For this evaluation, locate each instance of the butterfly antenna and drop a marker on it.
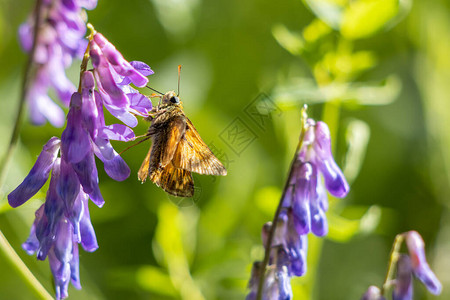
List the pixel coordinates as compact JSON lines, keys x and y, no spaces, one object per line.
{"x":129,"y":147}
{"x":154,"y":90}
{"x":179,"y":73}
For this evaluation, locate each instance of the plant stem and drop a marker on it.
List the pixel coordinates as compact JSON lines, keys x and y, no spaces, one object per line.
{"x":25,"y":82}
{"x":21,"y":268}
{"x":268,"y":246}
{"x":392,"y":261}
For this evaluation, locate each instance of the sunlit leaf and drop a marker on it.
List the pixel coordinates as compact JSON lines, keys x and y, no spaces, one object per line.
{"x":342,"y":229}
{"x":364,"y":17}
{"x":329,"y":11}
{"x":155,"y":280}
{"x":357,"y":137}
{"x":288,"y":40}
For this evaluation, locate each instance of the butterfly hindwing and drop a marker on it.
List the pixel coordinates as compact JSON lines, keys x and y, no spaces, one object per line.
{"x":177,"y":182}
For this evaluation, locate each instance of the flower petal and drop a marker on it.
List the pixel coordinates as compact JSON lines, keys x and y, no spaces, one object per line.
{"x":75,"y":142}
{"x":88,"y":176}
{"x":38,"y":175}
{"x":334,"y":179}
{"x":88,"y":238}
{"x":120,"y":65}
{"x":117,"y":132}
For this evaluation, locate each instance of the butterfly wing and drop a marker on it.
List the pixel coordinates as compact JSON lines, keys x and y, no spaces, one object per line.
{"x":143,"y":170}
{"x":177,"y":182}
{"x":192,"y":154}
{"x":165,"y":136}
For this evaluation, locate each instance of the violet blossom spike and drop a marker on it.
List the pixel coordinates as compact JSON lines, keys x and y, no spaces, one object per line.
{"x":421,"y":269}
{"x":63,"y":242}
{"x":373,"y":293}
{"x":140,"y":103}
{"x":90,"y":111}
{"x":403,"y":283}
{"x":38,"y":175}
{"x":334,"y":179}
{"x":60,"y":39}
{"x":297,"y":246}
{"x":75,"y":143}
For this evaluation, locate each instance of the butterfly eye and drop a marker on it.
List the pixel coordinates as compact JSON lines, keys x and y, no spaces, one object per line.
{"x":174,"y":100}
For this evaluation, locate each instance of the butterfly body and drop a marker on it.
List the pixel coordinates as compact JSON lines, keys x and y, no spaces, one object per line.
{"x":177,"y":150}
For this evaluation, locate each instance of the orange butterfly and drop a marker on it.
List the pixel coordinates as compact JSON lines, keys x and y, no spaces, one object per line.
{"x":177,"y":150}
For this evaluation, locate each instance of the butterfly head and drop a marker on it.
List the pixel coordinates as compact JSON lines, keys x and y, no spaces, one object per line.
{"x":170,"y":99}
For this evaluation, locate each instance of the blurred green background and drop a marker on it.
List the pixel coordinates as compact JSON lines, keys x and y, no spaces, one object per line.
{"x":377,"y":71}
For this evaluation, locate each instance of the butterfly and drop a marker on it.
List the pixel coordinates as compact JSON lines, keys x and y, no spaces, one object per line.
{"x":177,"y":150}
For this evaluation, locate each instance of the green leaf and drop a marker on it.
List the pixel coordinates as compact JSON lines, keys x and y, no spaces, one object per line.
{"x":290,"y":41}
{"x":365,"y":17}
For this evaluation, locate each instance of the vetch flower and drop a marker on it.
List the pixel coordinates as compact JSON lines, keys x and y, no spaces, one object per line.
{"x":60,"y":39}
{"x":301,"y":211}
{"x":420,"y":267}
{"x":63,"y":221}
{"x":407,"y":267}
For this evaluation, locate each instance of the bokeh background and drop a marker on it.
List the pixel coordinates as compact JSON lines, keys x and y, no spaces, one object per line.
{"x":377,"y":71}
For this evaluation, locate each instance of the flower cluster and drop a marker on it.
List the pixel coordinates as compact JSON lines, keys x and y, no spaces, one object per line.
{"x":63,"y":221}
{"x":303,"y":207}
{"x":59,"y":39}
{"x":408,"y":266}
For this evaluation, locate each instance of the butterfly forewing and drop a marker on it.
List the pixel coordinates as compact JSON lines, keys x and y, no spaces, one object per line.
{"x":194,"y":155}
{"x":177,"y":182}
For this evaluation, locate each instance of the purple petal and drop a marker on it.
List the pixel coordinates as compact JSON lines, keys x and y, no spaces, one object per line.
{"x":120,"y":65}
{"x":31,"y":245}
{"x":88,"y":4}
{"x":68,"y":185}
{"x":91,"y":116}
{"x":297,"y":246}
{"x":142,"y":67}
{"x":63,"y":243}
{"x":54,"y":212}
{"x":117,"y":132}
{"x":403,"y":283}
{"x":75,"y":267}
{"x":105,"y":80}
{"x":88,"y":176}
{"x":140,"y":103}
{"x":122,"y":114}
{"x":334,"y":179}
{"x":26,"y":36}
{"x":373,"y":293}
{"x":422,"y":271}
{"x":38,"y":175}
{"x":88,"y":238}
{"x":303,"y":191}
{"x":75,"y":142}
{"x":61,"y":274}
{"x":104,"y":148}
{"x":116,"y":168}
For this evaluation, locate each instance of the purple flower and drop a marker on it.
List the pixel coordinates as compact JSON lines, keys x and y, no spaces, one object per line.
{"x":60,"y":39}
{"x":303,"y":208}
{"x":313,"y":173}
{"x":63,"y":221}
{"x":420,"y":267}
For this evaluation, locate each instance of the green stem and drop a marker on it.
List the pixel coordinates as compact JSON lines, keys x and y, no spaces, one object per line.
{"x":392,"y":262}
{"x":25,"y":82}
{"x":21,"y":268}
